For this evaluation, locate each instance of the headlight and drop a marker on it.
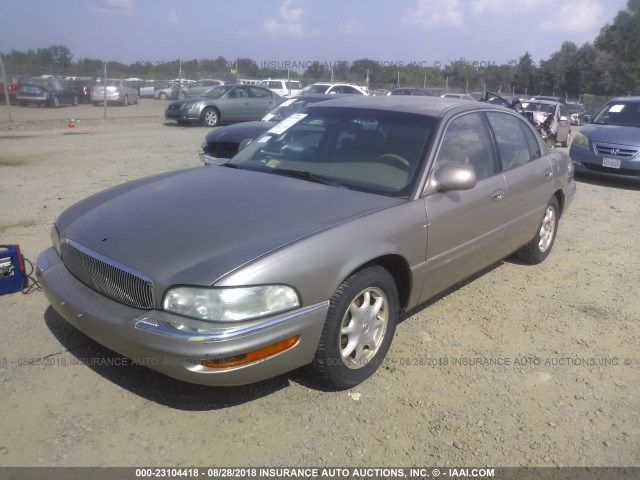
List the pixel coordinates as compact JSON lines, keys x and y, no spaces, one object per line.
{"x":580,"y":141}
{"x":55,"y":239}
{"x":190,"y":106}
{"x":230,"y":304}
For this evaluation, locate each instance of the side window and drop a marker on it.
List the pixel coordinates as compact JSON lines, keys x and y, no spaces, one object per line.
{"x":259,"y":92}
{"x":513,"y":147}
{"x":466,"y":142}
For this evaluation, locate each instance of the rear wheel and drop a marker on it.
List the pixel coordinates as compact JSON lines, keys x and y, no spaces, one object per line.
{"x":125,"y":102}
{"x":360,"y":324}
{"x":55,"y":102}
{"x":210,"y":117}
{"x":162,"y":96}
{"x":540,"y":246}
{"x":567,"y":140}
{"x":75,"y":101}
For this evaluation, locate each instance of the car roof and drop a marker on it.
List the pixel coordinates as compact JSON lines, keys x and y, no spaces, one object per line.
{"x":631,"y":98}
{"x":428,"y":106}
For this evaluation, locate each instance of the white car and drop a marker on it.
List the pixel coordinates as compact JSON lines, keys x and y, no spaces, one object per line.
{"x":283,"y":87}
{"x":327,"y":87}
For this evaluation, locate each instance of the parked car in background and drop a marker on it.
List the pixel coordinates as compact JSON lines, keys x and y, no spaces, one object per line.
{"x":118,"y":91}
{"x":146,"y":90}
{"x":307,"y":247}
{"x":283,"y":87}
{"x":13,"y":83}
{"x":423,"y":92}
{"x":224,"y":103}
{"x":165,"y":90}
{"x":577,"y":113}
{"x":552,"y":114}
{"x":609,"y":145}
{"x":459,"y":96}
{"x":82,"y":86}
{"x":224,"y":142}
{"x":199,"y":87}
{"x":50,"y":92}
{"x":325,"y":87}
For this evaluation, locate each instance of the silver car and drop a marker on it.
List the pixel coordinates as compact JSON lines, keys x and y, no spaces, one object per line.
{"x":118,"y":91}
{"x":307,"y":246}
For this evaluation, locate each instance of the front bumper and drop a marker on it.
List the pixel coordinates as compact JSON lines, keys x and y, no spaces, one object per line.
{"x":151,"y":337}
{"x":585,"y":161}
{"x":182,"y":115}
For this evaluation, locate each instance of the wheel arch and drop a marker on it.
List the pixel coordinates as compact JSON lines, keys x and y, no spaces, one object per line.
{"x":399,"y":270}
{"x":559,"y":194}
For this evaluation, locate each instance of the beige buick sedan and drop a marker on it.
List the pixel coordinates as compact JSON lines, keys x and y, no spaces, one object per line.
{"x":306,"y":247}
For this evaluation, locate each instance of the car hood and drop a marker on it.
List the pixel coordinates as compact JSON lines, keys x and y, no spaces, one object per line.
{"x":614,"y":134}
{"x":238,"y":131}
{"x":194,"y":226}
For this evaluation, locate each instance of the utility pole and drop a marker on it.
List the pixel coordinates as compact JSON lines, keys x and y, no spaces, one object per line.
{"x":104,"y":90}
{"x":6,"y":89}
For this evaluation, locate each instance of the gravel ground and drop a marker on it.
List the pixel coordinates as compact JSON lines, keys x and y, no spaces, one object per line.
{"x":520,"y":366}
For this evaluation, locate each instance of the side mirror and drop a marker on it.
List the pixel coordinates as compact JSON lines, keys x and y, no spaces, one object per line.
{"x":455,"y":177}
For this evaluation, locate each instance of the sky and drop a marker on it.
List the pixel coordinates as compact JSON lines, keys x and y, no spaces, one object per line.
{"x":427,"y":32}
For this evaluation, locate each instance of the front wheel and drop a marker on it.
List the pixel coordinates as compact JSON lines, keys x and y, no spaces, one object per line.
{"x":125,"y":102}
{"x":162,"y":96}
{"x":360,"y":324}
{"x":567,"y":140}
{"x":210,"y":117}
{"x":539,"y":247}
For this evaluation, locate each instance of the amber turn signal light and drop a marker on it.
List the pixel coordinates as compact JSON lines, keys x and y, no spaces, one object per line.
{"x":254,"y":356}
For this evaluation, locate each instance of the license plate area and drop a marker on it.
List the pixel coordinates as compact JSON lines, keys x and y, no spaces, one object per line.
{"x":611,"y":162}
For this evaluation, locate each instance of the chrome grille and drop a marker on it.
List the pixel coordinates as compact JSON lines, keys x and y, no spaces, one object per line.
{"x":103,"y":275}
{"x":614,"y":151}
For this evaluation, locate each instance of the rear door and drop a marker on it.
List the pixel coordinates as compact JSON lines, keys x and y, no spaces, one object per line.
{"x":527,"y":173}
{"x":465,"y":228}
{"x":261,"y":100}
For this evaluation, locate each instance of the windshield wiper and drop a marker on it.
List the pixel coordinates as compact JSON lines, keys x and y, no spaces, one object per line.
{"x":306,"y":175}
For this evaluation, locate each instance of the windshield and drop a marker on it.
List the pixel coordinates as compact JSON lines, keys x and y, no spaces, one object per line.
{"x":286,"y":108}
{"x":374,"y":151}
{"x":619,"y":113}
{"x":217,"y":92}
{"x":538,"y":107}
{"x":574,"y":108}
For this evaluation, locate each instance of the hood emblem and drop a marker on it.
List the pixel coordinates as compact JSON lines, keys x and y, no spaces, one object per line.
{"x":614,"y":151}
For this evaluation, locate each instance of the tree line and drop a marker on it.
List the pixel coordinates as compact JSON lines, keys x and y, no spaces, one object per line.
{"x":608,"y":66}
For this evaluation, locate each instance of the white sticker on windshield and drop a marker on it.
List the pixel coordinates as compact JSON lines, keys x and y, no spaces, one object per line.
{"x":287,"y":102}
{"x":616,"y":108}
{"x":268,"y":117}
{"x":287,"y":123}
{"x":264,"y":139}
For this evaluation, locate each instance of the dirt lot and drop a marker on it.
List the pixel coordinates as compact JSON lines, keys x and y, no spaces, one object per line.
{"x":536,"y":366}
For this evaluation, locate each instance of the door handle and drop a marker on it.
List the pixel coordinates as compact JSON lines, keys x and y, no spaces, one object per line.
{"x":548,"y":173}
{"x":497,"y":195}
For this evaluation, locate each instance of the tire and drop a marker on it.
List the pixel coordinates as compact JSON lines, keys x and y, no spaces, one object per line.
{"x":182,"y":95}
{"x":210,"y":117}
{"x":359,"y":328}
{"x":567,"y":140}
{"x":162,"y":96}
{"x":95,"y":104}
{"x":75,"y":101}
{"x":22,"y":104}
{"x":125,"y":102}
{"x":55,"y":102}
{"x":540,"y":246}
